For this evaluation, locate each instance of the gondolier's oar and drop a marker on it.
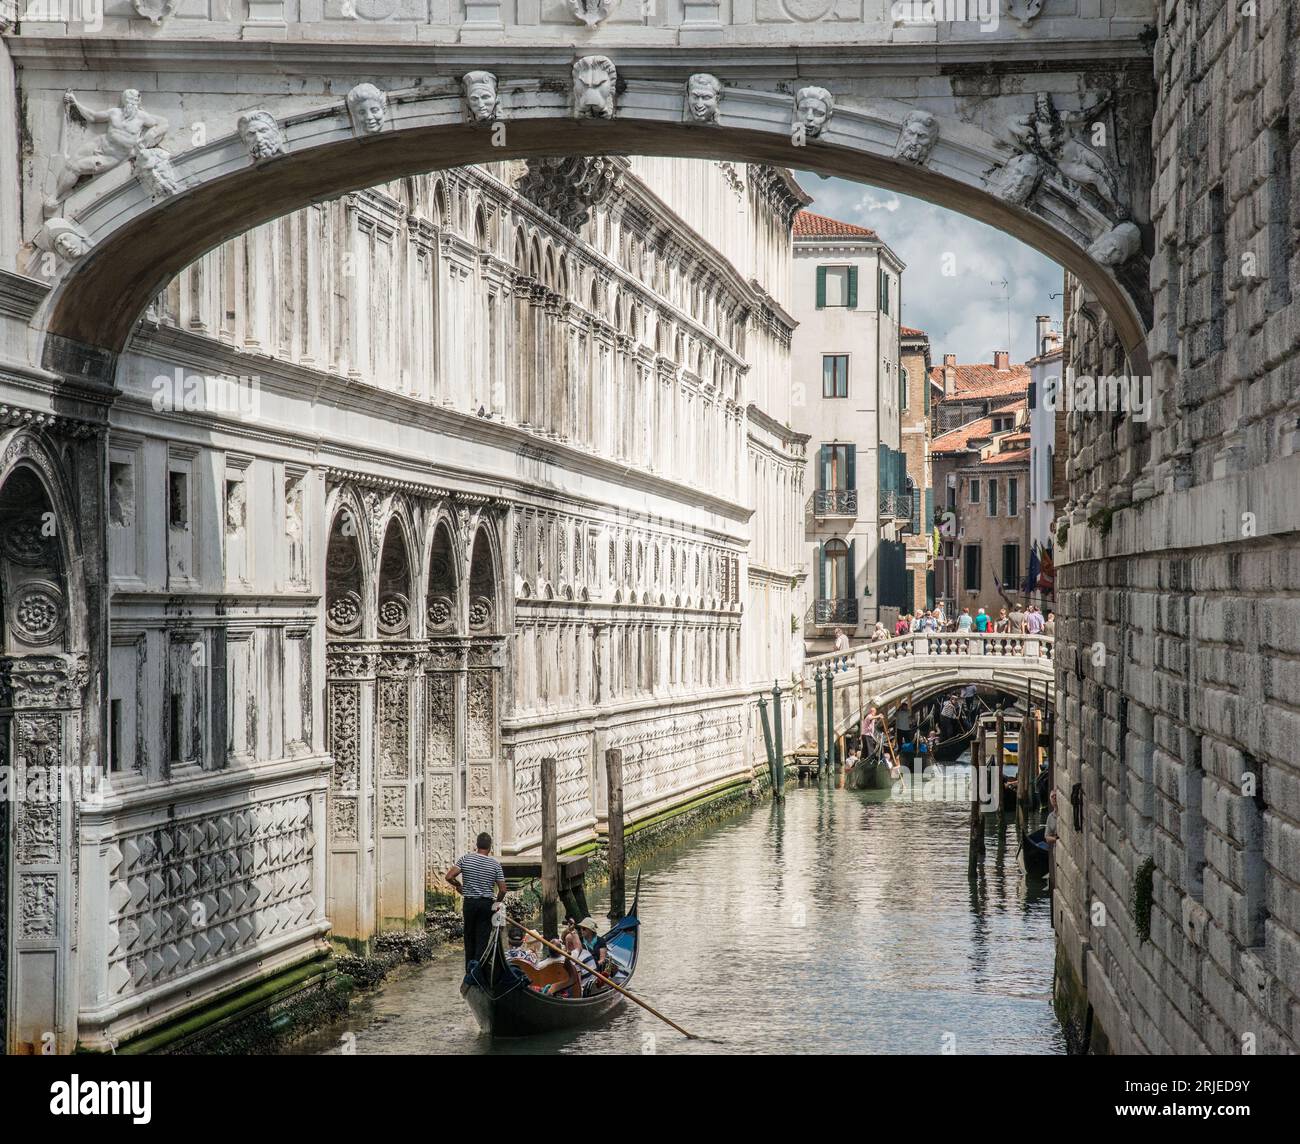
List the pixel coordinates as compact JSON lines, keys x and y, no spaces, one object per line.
{"x":564,"y":953}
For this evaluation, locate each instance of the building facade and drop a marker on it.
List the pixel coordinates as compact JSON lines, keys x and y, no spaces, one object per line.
{"x":916,"y":390}
{"x":1047,"y":452}
{"x":981,"y":471}
{"x":847,"y":377}
{"x":405,"y":492}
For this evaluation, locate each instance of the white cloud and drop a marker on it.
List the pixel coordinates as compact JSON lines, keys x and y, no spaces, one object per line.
{"x":965,"y":311}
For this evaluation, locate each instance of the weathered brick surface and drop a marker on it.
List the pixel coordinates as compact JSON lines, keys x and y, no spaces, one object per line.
{"x":1183,"y":568}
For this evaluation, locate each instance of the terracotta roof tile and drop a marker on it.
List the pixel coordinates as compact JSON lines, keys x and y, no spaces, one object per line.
{"x":908,"y":332}
{"x":957,"y":440}
{"x":1010,"y":457}
{"x":809,"y":225}
{"x":983,"y":380}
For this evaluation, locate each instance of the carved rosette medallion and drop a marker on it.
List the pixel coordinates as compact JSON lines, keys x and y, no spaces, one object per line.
{"x":394,"y":614}
{"x":480,"y":613}
{"x":343,"y":616}
{"x":439,"y":613}
{"x":37,"y":612}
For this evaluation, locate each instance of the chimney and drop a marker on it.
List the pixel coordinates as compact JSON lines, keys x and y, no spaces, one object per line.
{"x":949,"y":374}
{"x":949,"y":359}
{"x":1002,"y":360}
{"x":1042,"y":332}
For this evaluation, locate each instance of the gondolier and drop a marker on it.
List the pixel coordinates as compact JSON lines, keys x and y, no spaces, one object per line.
{"x":478,"y":877}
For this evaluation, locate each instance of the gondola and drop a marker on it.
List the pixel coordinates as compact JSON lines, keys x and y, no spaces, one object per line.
{"x":1034,"y":854}
{"x":506,"y":1007}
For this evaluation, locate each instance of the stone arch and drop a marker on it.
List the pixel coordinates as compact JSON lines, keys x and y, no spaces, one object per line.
{"x":484,"y":595}
{"x":48,"y":723}
{"x":138,"y":245}
{"x":394,"y":587}
{"x":442,"y":609}
{"x":347,"y":593}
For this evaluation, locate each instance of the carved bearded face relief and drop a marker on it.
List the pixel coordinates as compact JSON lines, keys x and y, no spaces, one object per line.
{"x":918,"y":137}
{"x":594,"y":78}
{"x":261,"y":135}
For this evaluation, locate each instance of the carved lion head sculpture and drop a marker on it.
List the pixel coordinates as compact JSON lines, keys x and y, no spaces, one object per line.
{"x":594,"y":79}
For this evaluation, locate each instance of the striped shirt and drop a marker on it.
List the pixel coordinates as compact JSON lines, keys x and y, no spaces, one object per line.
{"x":479,"y":874}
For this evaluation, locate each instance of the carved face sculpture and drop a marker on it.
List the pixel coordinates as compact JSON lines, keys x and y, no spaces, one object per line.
{"x":261,"y":135}
{"x":1017,"y":181}
{"x":594,"y":78}
{"x":481,"y":96}
{"x":813,"y":107}
{"x":368,"y":107}
{"x":703,"y":94}
{"x":918,"y":137}
{"x":1117,"y":245}
{"x":155,"y":172}
{"x":130,"y":101}
{"x":66,"y":239}
{"x":70,"y":245}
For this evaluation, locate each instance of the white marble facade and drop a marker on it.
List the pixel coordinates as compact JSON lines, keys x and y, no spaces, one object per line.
{"x":406,"y":491}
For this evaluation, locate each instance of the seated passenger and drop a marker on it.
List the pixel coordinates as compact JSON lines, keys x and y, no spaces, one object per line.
{"x":517,"y":950}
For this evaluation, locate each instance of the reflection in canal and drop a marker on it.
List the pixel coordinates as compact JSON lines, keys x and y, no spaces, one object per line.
{"x":841,"y":921}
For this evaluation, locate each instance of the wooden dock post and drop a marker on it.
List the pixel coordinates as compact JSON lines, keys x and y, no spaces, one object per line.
{"x":1028,"y":773}
{"x":821,"y":701}
{"x":614,"y":819}
{"x":976,"y":815}
{"x":778,"y":792}
{"x":830,"y":721}
{"x":550,"y":859}
{"x":998,"y":774}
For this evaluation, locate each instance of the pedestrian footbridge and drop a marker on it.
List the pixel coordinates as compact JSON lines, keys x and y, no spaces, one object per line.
{"x":919,"y":665}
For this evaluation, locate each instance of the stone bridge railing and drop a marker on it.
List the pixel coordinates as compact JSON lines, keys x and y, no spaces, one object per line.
{"x":887,"y":671}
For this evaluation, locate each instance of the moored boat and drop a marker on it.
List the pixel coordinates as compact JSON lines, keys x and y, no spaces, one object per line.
{"x":506,"y":1006}
{"x":1034,"y":854}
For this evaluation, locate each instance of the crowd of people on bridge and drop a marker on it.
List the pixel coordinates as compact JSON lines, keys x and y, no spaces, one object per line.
{"x":1019,"y":621}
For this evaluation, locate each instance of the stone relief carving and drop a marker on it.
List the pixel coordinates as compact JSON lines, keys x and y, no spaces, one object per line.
{"x":37,"y":612}
{"x":343,"y":819}
{"x":1024,"y":12}
{"x":155,"y":173}
{"x":155,"y":11}
{"x":917,"y":138}
{"x":261,"y":135}
{"x":482,"y":717}
{"x":481,"y":98}
{"x":1053,"y":136}
{"x":439,"y":613}
{"x":393,"y":724}
{"x":343,"y":613}
{"x":1016,"y":180}
{"x":236,"y":507}
{"x":567,"y":188}
{"x":45,"y":680}
{"x":37,"y":896}
{"x":594,"y":81}
{"x":368,"y":109}
{"x":703,"y":98}
{"x":128,"y":130}
{"x":345,"y":733}
{"x":38,"y":831}
{"x":440,"y":729}
{"x":813,"y":108}
{"x":591,"y":12}
{"x":1117,"y":245}
{"x":63,"y":238}
{"x":350,"y":664}
{"x":394,"y":811}
{"x":480,"y":613}
{"x":394,"y":614}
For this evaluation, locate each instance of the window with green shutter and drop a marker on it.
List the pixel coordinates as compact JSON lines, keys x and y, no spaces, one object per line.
{"x":884,"y":292}
{"x":821,"y":287}
{"x":851,"y":300}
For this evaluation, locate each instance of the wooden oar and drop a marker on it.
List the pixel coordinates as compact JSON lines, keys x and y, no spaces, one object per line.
{"x":564,"y":953}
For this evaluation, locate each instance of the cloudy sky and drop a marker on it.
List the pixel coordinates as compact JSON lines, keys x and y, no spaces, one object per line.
{"x":964,"y":312}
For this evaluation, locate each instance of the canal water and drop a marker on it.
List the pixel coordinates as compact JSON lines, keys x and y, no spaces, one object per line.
{"x":839,"y":922}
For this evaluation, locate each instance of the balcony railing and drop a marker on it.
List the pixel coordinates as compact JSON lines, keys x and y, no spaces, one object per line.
{"x":895,"y":505}
{"x":835,"y":502}
{"x":839,"y":611}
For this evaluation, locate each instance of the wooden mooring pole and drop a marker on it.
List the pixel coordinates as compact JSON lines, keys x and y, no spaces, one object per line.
{"x":550,"y":859}
{"x":778,"y":791}
{"x":976,"y":815}
{"x":614,"y":819}
{"x":998,"y":773}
